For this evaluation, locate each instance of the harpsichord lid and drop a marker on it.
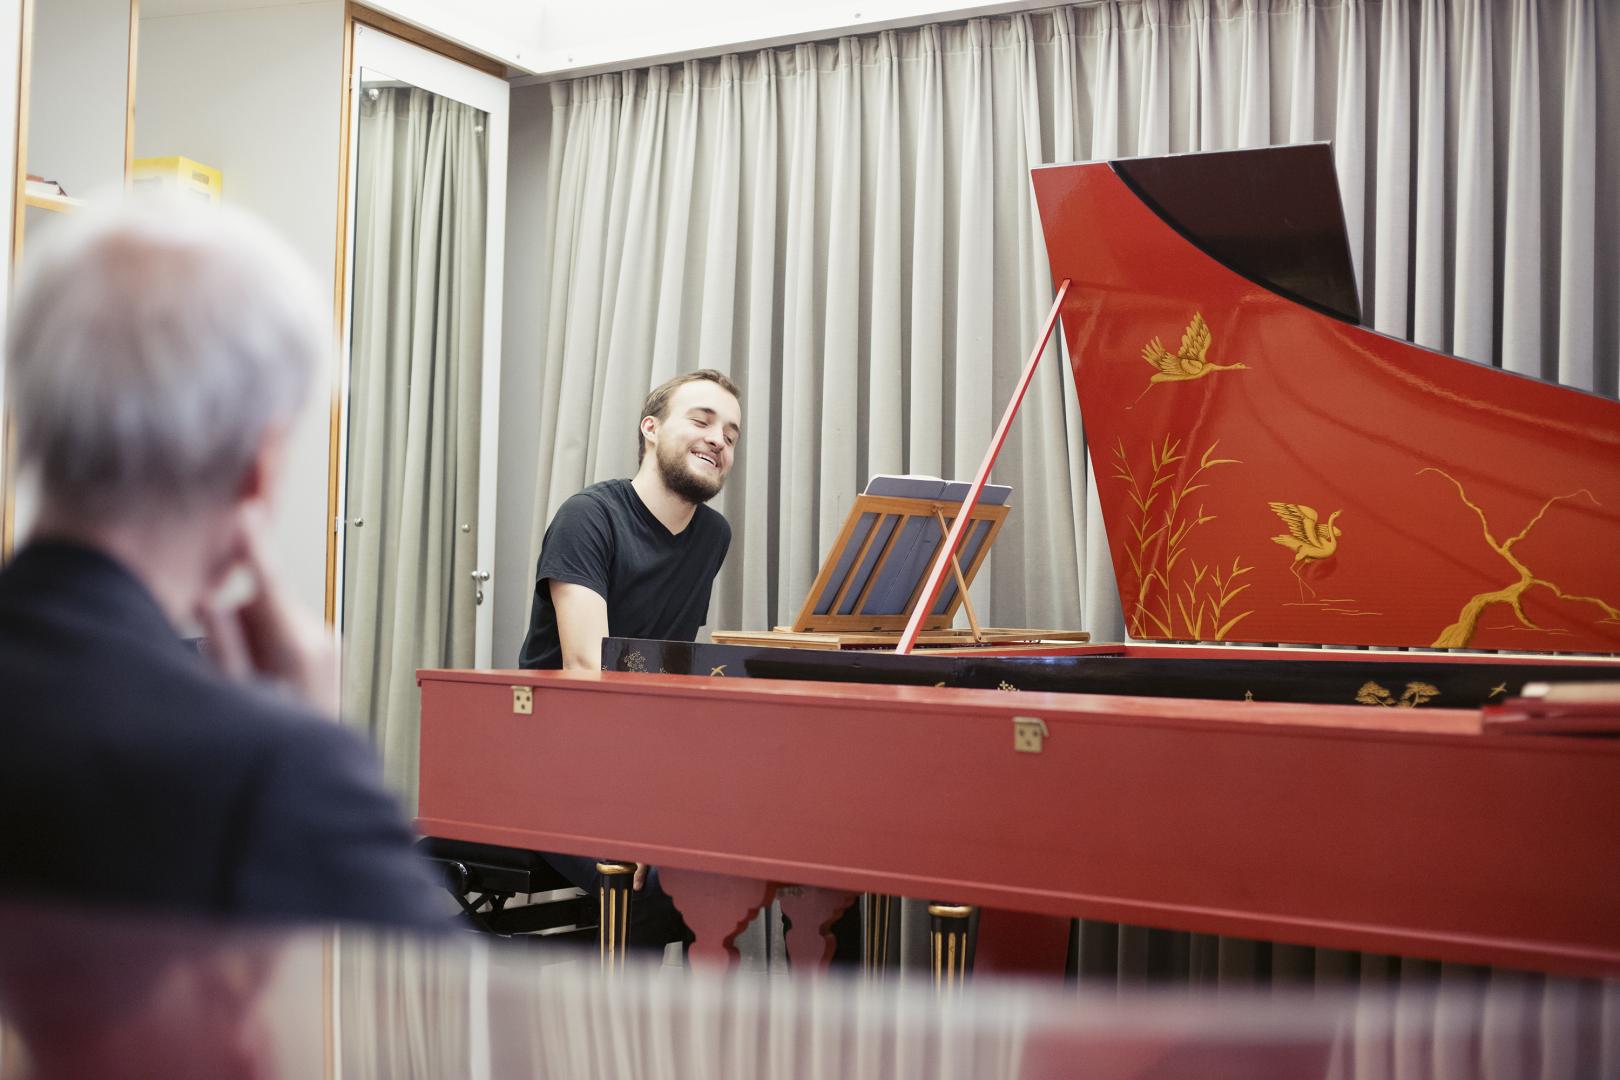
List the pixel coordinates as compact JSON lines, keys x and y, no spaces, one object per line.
{"x":1271,"y":471}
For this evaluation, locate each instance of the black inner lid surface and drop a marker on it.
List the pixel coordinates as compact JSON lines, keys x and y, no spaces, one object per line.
{"x":1271,"y":214}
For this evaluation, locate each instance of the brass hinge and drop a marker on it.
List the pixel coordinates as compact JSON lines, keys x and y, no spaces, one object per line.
{"x":1029,"y":733}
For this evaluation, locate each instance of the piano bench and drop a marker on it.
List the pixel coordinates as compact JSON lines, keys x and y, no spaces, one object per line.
{"x":485,"y":877}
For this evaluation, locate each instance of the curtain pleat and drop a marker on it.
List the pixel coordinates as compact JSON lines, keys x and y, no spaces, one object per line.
{"x":972,"y":385}
{"x":1475,"y":266}
{"x":1351,"y":124}
{"x":1390,"y":310}
{"x":1430,"y":250}
{"x":1521,"y":239}
{"x":1576,"y":238}
{"x":884,"y":423}
{"x":847,"y":229}
{"x":405,"y":1009}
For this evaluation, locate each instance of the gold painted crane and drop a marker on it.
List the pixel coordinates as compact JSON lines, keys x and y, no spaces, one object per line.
{"x":1191,"y":361}
{"x":1309,"y":539}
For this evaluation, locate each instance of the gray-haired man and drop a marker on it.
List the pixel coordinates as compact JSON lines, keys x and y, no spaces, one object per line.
{"x":157,"y":356}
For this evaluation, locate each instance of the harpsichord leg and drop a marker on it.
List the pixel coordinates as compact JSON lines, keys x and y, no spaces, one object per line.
{"x":948,"y":937}
{"x":613,"y":897}
{"x":811,"y":913}
{"x":716,"y":908}
{"x":879,"y":911}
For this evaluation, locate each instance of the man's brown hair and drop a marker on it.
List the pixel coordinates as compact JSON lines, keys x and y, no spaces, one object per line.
{"x":657,"y":404}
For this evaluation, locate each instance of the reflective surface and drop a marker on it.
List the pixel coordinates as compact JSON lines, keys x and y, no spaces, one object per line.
{"x":97,"y":994}
{"x":1235,"y":674}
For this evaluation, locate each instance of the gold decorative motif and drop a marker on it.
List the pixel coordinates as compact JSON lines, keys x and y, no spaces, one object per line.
{"x":1460,"y":633}
{"x":1309,"y":539}
{"x":717,"y":672}
{"x":634,"y":661}
{"x":1499,"y":688}
{"x":1195,"y":602}
{"x":1189,"y":362}
{"x":1005,"y":685}
{"x":1248,"y":695}
{"x":1415,"y":694}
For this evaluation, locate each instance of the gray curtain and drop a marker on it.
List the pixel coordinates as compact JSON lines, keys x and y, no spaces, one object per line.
{"x":415,"y":369}
{"x":406,"y":1007}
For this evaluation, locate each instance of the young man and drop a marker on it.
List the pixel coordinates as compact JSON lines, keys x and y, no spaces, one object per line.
{"x":158,"y":356}
{"x":637,"y":558}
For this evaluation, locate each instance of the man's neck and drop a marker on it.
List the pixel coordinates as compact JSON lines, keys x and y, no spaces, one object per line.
{"x":669,"y":508}
{"x":173,"y":560}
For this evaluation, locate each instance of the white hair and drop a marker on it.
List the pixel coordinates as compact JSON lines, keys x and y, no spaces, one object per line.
{"x":153,"y":345}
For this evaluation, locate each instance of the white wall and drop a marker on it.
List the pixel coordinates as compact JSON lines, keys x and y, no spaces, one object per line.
{"x":507,"y":30}
{"x":561,"y":38}
{"x":256,"y":93}
{"x":578,"y":39}
{"x":78,"y":93}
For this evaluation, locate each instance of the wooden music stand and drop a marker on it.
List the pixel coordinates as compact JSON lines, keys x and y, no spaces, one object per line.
{"x":873,"y":577}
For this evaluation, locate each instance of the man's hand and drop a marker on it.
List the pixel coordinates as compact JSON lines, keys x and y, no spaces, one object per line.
{"x":641,"y":876}
{"x":267,"y":636}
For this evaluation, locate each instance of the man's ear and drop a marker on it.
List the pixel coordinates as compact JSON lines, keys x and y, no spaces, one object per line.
{"x":263,"y":474}
{"x":248,"y":512}
{"x":649,"y":428}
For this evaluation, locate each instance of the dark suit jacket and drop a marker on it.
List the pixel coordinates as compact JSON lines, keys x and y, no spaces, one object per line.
{"x":132,"y":774}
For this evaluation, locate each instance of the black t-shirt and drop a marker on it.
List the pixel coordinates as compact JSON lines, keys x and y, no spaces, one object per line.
{"x":656,"y":583}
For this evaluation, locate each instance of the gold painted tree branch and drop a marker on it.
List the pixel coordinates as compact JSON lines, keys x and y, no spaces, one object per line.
{"x":1460,"y":633}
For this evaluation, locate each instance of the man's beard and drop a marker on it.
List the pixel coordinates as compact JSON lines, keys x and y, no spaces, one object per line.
{"x":682,"y":477}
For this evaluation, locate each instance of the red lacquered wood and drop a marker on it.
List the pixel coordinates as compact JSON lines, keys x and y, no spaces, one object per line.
{"x":810,"y":913}
{"x":953,"y":539}
{"x":1453,"y":482}
{"x":716,"y":907}
{"x":1020,"y":943}
{"x":1391,"y":830}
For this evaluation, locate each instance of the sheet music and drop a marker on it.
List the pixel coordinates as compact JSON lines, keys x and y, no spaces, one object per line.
{"x":913,"y":486}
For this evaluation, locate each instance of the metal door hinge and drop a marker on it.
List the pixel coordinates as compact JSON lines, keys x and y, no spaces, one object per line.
{"x":1029,"y":733}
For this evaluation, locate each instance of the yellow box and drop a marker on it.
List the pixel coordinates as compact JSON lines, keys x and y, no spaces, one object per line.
{"x":179,"y":173}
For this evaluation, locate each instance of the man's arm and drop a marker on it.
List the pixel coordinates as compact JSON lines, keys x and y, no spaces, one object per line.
{"x":582,"y":623}
{"x":322,"y":838}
